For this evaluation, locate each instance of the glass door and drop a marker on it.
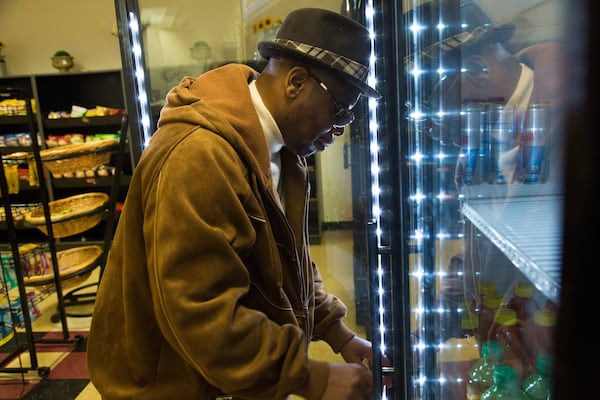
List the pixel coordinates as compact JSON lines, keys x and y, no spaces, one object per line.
{"x":472,"y":154}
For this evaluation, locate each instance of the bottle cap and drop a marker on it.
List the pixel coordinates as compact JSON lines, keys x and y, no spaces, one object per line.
{"x":492,"y":301}
{"x":545,"y":317}
{"x":487,"y":288}
{"x":504,"y":374}
{"x":544,"y":364}
{"x":524,"y":289}
{"x":492,"y":349}
{"x":506,"y":317}
{"x":469,"y":321}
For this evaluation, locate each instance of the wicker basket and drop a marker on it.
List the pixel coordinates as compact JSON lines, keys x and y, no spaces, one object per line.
{"x":79,"y":156}
{"x":71,"y":215}
{"x":74,"y":265}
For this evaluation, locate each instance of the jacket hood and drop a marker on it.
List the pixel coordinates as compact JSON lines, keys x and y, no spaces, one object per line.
{"x":206,"y":102}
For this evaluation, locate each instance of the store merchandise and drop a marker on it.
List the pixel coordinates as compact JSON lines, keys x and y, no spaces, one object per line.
{"x":508,"y":333}
{"x":523,"y":301}
{"x":480,"y":375}
{"x":455,"y":358}
{"x":538,"y":386}
{"x":491,"y":304}
{"x":539,"y":333}
{"x":506,"y":385}
{"x":485,"y":287}
{"x":469,"y":325}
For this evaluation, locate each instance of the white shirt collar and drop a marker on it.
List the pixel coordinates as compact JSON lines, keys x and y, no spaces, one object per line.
{"x":273,"y":136}
{"x":268,"y":124}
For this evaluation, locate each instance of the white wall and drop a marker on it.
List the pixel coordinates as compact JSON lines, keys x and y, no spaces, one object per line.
{"x":32,"y":30}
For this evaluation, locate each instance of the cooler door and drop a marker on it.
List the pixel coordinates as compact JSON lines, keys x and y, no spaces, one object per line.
{"x":469,"y":185}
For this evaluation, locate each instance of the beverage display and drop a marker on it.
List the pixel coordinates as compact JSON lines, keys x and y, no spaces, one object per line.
{"x":525,"y":306}
{"x":538,"y":386}
{"x":469,"y":325}
{"x":506,"y":331}
{"x":499,"y":122}
{"x":523,"y":302}
{"x":455,"y":358}
{"x":487,"y":314}
{"x":539,"y":333}
{"x":471,"y":142}
{"x":506,"y":385}
{"x":483,"y":288}
{"x":534,"y":138}
{"x":480,"y":376}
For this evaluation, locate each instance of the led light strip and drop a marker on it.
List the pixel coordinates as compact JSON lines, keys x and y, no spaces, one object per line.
{"x":375,"y":169}
{"x":140,"y":77}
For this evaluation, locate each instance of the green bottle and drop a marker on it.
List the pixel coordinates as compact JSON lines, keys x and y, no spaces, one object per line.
{"x":481,"y":374}
{"x":538,"y":386}
{"x":506,"y":385}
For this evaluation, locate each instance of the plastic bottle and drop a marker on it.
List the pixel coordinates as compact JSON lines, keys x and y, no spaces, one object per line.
{"x":538,"y":386}
{"x":525,"y":306}
{"x":481,"y":374}
{"x":506,"y":331}
{"x":485,"y":287}
{"x":540,"y":333}
{"x":469,"y":325}
{"x":523,"y":302}
{"x":506,"y":385}
{"x":491,"y":304}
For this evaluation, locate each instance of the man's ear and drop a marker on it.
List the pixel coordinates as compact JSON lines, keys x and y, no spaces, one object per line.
{"x":476,"y":70}
{"x":296,"y":79}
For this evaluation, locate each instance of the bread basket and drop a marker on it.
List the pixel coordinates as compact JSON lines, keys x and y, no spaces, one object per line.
{"x":79,"y":156}
{"x":71,"y":215}
{"x":75,"y":266}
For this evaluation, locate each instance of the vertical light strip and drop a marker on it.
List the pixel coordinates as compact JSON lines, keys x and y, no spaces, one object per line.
{"x":418,"y":116}
{"x":140,"y":77}
{"x":374,"y":150}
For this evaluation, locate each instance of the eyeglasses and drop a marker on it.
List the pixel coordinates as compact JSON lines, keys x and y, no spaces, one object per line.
{"x":342,"y":116}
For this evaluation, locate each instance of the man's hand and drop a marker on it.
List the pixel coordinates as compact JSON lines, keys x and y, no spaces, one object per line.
{"x":350,"y":381}
{"x":359,"y":351}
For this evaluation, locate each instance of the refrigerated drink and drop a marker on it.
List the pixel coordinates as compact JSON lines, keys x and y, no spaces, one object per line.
{"x":483,"y":288}
{"x":471,"y":142}
{"x":538,"y":386}
{"x":506,"y":385}
{"x":469,"y":325}
{"x":523,"y":302}
{"x":525,"y":306}
{"x":455,"y":358}
{"x":487,"y":314}
{"x":480,"y":375}
{"x":499,"y":122}
{"x":539,"y":333}
{"x":533,"y":159}
{"x":506,"y":331}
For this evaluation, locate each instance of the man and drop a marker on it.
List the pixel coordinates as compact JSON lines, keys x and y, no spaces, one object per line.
{"x":209,"y":291}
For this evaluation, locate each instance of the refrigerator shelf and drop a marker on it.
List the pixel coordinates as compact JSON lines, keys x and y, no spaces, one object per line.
{"x":527,"y":230}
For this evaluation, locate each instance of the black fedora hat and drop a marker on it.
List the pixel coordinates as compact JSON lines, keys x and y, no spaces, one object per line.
{"x":467,"y":27}
{"x":326,"y":39}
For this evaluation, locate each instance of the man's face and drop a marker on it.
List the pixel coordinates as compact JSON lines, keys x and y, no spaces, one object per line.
{"x":325,"y":111}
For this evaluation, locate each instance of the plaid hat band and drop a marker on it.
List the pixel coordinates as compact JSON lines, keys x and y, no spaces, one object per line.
{"x":328,"y":40}
{"x":336,"y":61}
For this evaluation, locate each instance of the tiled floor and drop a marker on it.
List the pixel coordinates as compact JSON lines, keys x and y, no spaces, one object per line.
{"x":68,"y":378}
{"x":57,"y":350}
